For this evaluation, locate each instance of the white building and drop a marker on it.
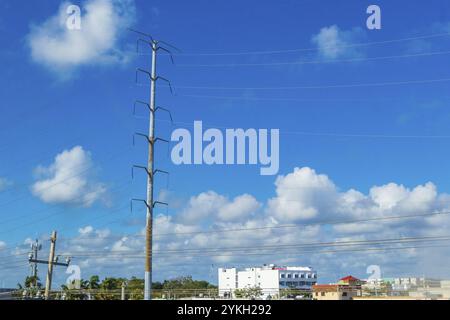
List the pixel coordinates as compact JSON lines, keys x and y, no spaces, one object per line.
{"x":270,"y":278}
{"x":412,"y":283}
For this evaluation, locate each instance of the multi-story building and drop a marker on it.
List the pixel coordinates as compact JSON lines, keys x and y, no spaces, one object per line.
{"x":271,"y":279}
{"x":346,"y":289}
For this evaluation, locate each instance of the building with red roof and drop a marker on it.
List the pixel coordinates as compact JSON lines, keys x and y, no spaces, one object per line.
{"x":347,"y":288}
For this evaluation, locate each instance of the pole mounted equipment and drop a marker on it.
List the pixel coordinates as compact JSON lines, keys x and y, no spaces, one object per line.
{"x":52,"y":261}
{"x":156,"y":109}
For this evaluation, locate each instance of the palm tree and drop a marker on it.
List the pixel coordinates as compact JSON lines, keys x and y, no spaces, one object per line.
{"x":94,"y":282}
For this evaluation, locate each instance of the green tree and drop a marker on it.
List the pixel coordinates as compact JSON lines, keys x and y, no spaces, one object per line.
{"x":248,"y":293}
{"x":32,"y":281}
{"x":135,"y":289}
{"x":94,"y":282}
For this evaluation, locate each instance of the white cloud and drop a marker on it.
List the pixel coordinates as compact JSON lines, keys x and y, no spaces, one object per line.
{"x":334,"y":43}
{"x":313,"y":196}
{"x":239,"y":208}
{"x":121,"y":245}
{"x":305,"y":195}
{"x":165,"y":224}
{"x":301,"y":195}
{"x":203,"y":206}
{"x":2,"y":245}
{"x":210,"y":205}
{"x":390,"y":196}
{"x":4,"y":183}
{"x":68,"y":180}
{"x":102,"y":21}
{"x":86,"y":230}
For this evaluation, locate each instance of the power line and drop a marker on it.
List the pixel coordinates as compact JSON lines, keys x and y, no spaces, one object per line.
{"x":302,"y":225}
{"x":39,"y":220}
{"x":268,"y":52}
{"x":252,"y":98}
{"x":120,"y":186}
{"x":271,"y":253}
{"x":314,"y":62}
{"x":328,"y":134}
{"x":338,"y":86}
{"x":206,"y":250}
{"x":83,"y":170}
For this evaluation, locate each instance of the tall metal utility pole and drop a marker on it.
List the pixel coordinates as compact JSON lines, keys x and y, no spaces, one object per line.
{"x":51,"y":263}
{"x":151,"y":145}
{"x":149,"y":202}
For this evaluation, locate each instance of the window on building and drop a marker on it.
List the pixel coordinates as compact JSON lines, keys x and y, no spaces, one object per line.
{"x":295,"y":275}
{"x":322,"y":294}
{"x":282,"y":275}
{"x":282,"y":283}
{"x":344,"y":294}
{"x":302,"y":275}
{"x":289,"y":275}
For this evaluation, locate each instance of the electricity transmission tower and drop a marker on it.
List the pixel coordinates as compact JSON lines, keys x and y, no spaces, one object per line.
{"x":150,"y":203}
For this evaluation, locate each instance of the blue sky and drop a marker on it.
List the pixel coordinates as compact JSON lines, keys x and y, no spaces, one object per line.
{"x":80,"y":100}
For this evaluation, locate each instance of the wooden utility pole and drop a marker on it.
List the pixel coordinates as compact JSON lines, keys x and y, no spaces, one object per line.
{"x":51,"y":258}
{"x":51,"y":263}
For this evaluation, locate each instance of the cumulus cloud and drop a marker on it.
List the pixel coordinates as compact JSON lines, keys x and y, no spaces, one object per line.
{"x":2,"y":245}
{"x":301,"y":195}
{"x":306,"y":195}
{"x":69,"y":180}
{"x":212,"y":205}
{"x":333,"y":43}
{"x":276,"y":232}
{"x":102,"y":22}
{"x":239,"y":208}
{"x":203,"y":206}
{"x":165,"y":224}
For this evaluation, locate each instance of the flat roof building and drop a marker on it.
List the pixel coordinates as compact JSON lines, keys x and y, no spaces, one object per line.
{"x":271,"y":279}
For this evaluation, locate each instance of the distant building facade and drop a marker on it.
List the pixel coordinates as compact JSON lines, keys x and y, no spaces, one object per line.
{"x":412,"y":283}
{"x":271,"y":279}
{"x":346,"y":289}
